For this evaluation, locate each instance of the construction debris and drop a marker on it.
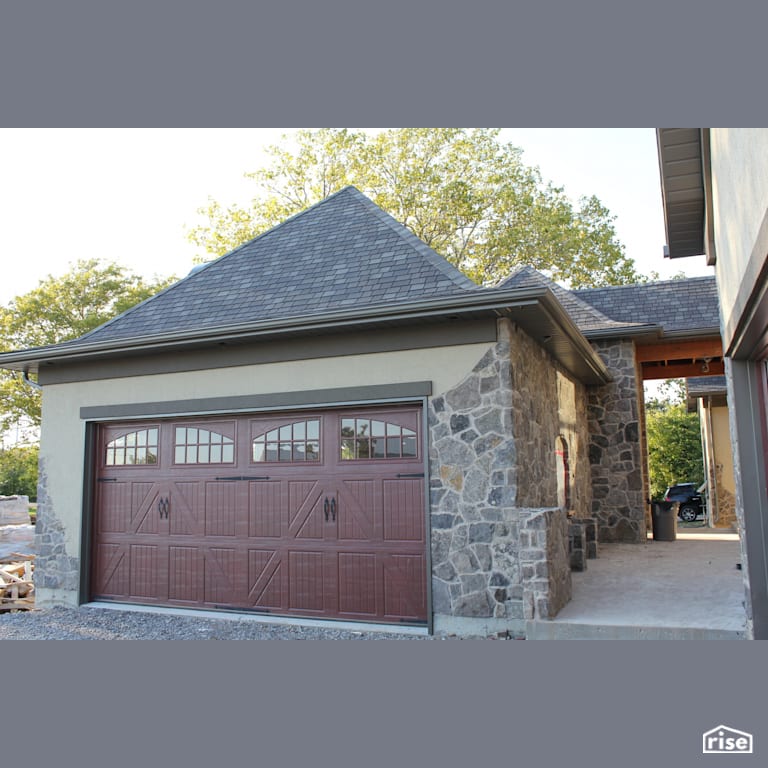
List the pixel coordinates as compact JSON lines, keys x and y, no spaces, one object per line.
{"x":16,"y":583}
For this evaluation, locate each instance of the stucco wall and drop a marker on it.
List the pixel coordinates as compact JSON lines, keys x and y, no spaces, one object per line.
{"x":62,"y":443}
{"x":739,"y":159}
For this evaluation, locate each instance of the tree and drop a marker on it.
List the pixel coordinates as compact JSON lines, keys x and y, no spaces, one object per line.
{"x":674,"y":441}
{"x":59,"y":309}
{"x":18,"y":471}
{"x":463,"y":192}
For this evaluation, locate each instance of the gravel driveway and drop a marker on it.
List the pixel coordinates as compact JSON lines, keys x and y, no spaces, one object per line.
{"x":91,"y":623}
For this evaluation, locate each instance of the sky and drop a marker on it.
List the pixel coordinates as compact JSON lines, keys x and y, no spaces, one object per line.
{"x":132,"y":195}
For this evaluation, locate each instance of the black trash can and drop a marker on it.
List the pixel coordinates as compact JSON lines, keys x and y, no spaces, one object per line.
{"x":664,"y":520}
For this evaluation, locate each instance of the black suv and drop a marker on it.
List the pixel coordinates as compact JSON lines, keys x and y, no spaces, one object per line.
{"x":690,"y":500}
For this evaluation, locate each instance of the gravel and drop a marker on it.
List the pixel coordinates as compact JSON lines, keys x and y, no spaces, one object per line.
{"x":93,"y":623}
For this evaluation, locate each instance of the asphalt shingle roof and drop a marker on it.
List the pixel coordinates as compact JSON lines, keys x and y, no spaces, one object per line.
{"x":342,"y":253}
{"x":688,"y":304}
{"x":586,"y":317}
{"x":702,"y":386}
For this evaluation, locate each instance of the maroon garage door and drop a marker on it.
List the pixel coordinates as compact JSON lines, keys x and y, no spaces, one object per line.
{"x":307,"y":514}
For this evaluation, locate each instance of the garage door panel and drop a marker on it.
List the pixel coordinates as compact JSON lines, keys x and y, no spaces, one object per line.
{"x":306,"y":581}
{"x":220,"y":568}
{"x":185,"y":514}
{"x":266,"y":579}
{"x":113,"y":571}
{"x":146,"y":569}
{"x":404,"y":587}
{"x":146,"y":514}
{"x":221,"y":508}
{"x":114,"y":507}
{"x":266,"y":509}
{"x":357,"y":513}
{"x":357,"y":579}
{"x":184,"y":574}
{"x":403,"y":500}
{"x":306,"y":504}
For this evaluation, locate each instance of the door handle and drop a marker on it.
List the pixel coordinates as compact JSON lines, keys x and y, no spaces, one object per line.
{"x":163,"y":506}
{"x":333,"y":510}
{"x":325,"y":509}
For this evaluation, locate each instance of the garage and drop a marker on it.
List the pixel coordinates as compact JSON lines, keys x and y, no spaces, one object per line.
{"x":304,"y":513}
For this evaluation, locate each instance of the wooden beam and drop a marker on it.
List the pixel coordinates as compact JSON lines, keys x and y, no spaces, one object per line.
{"x":681,"y":370}
{"x":680,"y":350}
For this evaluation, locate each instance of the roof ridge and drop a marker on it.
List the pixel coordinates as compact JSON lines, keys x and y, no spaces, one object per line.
{"x":435,"y":259}
{"x":568,"y":294}
{"x":669,"y":281}
{"x":203,"y":267}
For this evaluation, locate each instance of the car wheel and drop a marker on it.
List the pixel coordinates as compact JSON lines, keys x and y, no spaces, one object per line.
{"x":688,"y":514}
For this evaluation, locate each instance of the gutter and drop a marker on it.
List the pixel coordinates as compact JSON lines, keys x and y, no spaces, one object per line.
{"x":528,"y":307}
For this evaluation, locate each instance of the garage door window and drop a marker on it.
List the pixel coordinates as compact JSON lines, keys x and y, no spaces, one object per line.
{"x":372,"y":439}
{"x":296,"y":442}
{"x":202,"y":446}
{"x":139,"y":447}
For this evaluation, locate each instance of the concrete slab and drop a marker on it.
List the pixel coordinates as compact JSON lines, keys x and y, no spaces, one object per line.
{"x":688,"y":589}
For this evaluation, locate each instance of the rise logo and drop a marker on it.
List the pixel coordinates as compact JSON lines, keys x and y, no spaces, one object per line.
{"x":727,"y":741}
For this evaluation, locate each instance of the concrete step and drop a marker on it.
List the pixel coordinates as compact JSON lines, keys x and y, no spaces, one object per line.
{"x":564,"y":630}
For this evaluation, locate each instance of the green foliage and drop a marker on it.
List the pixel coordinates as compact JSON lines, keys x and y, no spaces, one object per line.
{"x":464,"y":193}
{"x":59,"y":309}
{"x":674,"y":444}
{"x":18,"y":471}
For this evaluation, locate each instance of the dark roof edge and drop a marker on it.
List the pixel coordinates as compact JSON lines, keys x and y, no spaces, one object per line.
{"x":500,"y":303}
{"x":471,"y":302}
{"x":636,"y":331}
{"x":598,"y":369}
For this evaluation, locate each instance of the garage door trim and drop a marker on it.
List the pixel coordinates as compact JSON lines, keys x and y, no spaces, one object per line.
{"x":384,"y":394}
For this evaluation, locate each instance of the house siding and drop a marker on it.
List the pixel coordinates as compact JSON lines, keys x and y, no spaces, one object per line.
{"x":499,"y":539}
{"x":63,"y":434}
{"x":615,"y":450}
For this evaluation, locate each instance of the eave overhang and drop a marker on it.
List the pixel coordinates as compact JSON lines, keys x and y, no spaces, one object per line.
{"x":535,"y":310}
{"x":683,"y":161}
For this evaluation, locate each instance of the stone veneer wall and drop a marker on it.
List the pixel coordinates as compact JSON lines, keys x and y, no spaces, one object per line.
{"x":54,"y":568}
{"x":499,"y":547}
{"x":615,"y":451}
{"x":573,"y":406}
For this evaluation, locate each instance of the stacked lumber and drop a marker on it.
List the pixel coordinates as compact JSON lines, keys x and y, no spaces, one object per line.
{"x":16,"y":582}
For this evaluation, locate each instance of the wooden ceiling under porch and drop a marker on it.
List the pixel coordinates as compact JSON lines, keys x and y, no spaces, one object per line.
{"x":681,"y":358}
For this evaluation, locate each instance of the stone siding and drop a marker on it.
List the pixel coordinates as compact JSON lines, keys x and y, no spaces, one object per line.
{"x":615,"y":451}
{"x":499,"y":544}
{"x":546,"y":569}
{"x":57,"y":574}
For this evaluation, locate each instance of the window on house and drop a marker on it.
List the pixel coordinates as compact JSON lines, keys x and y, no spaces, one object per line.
{"x":139,"y":447}
{"x":193,"y":445}
{"x":372,"y":439}
{"x":296,"y":442}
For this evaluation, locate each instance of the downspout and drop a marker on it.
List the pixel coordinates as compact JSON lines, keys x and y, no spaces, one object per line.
{"x":27,"y":380}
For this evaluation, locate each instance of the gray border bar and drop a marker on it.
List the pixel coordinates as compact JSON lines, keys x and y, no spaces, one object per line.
{"x":284,"y":350}
{"x":313,"y":397}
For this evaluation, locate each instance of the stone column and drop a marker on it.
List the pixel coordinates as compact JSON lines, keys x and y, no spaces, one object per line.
{"x":615,"y":450}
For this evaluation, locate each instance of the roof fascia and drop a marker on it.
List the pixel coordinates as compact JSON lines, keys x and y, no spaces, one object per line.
{"x":532,"y":308}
